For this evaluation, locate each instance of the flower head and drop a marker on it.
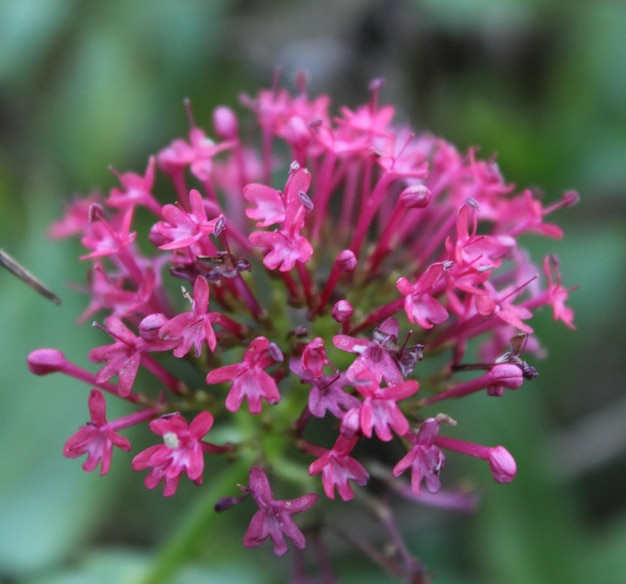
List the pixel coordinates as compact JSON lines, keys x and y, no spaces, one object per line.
{"x":343,"y":266}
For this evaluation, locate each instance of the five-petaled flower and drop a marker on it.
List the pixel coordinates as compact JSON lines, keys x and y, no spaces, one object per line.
{"x":337,"y":468}
{"x":193,"y":328}
{"x":182,"y":228}
{"x":96,"y":438}
{"x":122,"y":358}
{"x":424,"y":458}
{"x":273,"y":519}
{"x":182,"y":451}
{"x":378,"y":410}
{"x":249,"y":378}
{"x":420,"y":304}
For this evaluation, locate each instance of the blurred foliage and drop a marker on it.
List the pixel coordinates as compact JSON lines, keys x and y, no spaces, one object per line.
{"x":88,"y":84}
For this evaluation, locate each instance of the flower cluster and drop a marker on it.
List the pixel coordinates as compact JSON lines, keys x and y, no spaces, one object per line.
{"x":322,"y":271}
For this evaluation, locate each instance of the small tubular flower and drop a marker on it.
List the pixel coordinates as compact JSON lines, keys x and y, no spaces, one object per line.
{"x":419,"y":303}
{"x":249,"y":379}
{"x":182,"y":451}
{"x":379,"y":411}
{"x":425,"y":459}
{"x":337,"y":468}
{"x":286,"y":244}
{"x":192,"y":329}
{"x":181,"y":228}
{"x":273,"y":519}
{"x":96,"y":438}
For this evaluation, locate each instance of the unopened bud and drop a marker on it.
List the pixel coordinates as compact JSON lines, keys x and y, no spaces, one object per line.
{"x":506,"y":375}
{"x":502,"y":464}
{"x":342,"y":311}
{"x":571,"y":198}
{"x":45,"y":361}
{"x":225,"y":122}
{"x":150,"y":325}
{"x":415,"y":197}
{"x":346,"y":261}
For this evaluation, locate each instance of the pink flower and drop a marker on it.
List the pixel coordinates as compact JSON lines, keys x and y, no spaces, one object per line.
{"x":424,"y":458}
{"x":501,"y":306}
{"x":249,"y":380}
{"x":123,"y":357}
{"x":419,"y":303}
{"x":181,"y":228}
{"x":481,"y":252}
{"x":379,"y":410}
{"x":372,"y":357}
{"x":273,"y":519}
{"x":182,"y":451}
{"x":107,"y":238}
{"x":192,"y":329}
{"x":197,"y":154}
{"x":337,"y":468}
{"x":286,"y":244}
{"x":557,"y":293}
{"x":76,"y":218}
{"x":136,"y":190}
{"x":314,"y":357}
{"x":96,"y":438}
{"x":112,"y":293}
{"x":326,"y":393}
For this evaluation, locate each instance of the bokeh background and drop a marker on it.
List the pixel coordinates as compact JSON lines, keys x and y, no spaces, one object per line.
{"x":540,"y":83}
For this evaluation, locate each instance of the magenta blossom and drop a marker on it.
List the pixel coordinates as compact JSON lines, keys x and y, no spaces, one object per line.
{"x":327,"y":391}
{"x":379,"y":410}
{"x":286,"y":244}
{"x":420,"y":304}
{"x":337,"y":468}
{"x":182,"y":451}
{"x":273,"y":519}
{"x":123,"y":357}
{"x":424,"y":458}
{"x":249,"y":378}
{"x":194,"y":328}
{"x":96,"y":438}
{"x":181,"y":228}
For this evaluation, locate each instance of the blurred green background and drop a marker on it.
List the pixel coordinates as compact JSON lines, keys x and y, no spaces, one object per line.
{"x":88,"y":84}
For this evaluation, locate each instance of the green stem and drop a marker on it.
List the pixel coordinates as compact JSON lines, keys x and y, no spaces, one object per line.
{"x":197,"y":527}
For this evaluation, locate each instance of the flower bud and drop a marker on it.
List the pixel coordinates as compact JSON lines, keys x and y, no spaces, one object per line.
{"x":571,"y":198}
{"x":346,"y":261}
{"x":150,"y":325}
{"x":415,"y":197}
{"x":507,"y":375}
{"x":502,"y":464}
{"x":342,"y":311}
{"x":225,"y":122}
{"x":45,"y":361}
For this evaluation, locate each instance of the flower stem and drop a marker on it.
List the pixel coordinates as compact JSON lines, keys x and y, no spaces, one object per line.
{"x":200,"y":523}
